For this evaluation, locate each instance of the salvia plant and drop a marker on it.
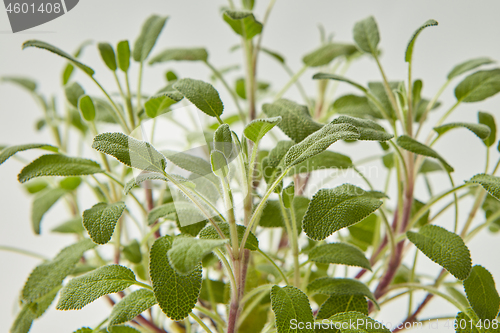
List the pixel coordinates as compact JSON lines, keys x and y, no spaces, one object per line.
{"x":230,"y":242}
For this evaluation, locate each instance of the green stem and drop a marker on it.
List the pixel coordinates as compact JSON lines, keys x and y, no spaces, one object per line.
{"x":118,"y":113}
{"x":295,"y":244}
{"x":299,"y":86}
{"x":389,"y":92}
{"x":199,"y":321}
{"x":225,"y":263}
{"x":147,"y":286}
{"x":283,"y":276}
{"x":431,"y":290}
{"x":22,"y":251}
{"x":126,"y":100}
{"x":290,"y":82}
{"x":430,"y":106}
{"x":211,"y":314}
{"x":412,"y":278}
{"x":139,"y":88}
{"x":480,"y":227}
{"x":293,"y":237}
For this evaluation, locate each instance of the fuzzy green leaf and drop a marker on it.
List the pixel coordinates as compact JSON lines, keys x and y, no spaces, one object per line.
{"x":160,"y":104}
{"x":151,"y":29}
{"x":340,"y":254}
{"x":86,"y":107}
{"x":203,"y":95}
{"x":488,"y":120}
{"x":342,"y":303}
{"x":288,"y":193}
{"x":481,"y":293}
{"x":143,"y":176}
{"x":416,"y":147}
{"x":243,"y":23}
{"x":108,"y":55}
{"x":121,"y":329}
{"x":185,"y":209}
{"x":23,"y":82}
{"x":256,"y":129}
{"x":430,"y":166}
{"x":85,"y":289}
{"x":271,"y":164}
{"x":355,"y":106}
{"x":489,"y":183}
{"x":58,"y":165}
{"x":468,"y":66}
{"x":366,"y":35}
{"x":123,"y":55}
{"x":297,"y":123}
{"x":181,"y":54}
{"x":219,"y":165}
{"x":219,"y":289}
{"x":368,"y":129}
{"x":134,"y":153}
{"x":164,"y":211}
{"x":365,"y":230}
{"x":187,"y":252}
{"x":326,"y":53}
{"x":73,"y":92}
{"x":329,"y":76}
{"x":481,"y":131}
{"x":377,"y":90}
{"x":70,"y":183}
{"x":43,"y":202}
{"x":289,"y":304}
{"x":101,"y":219}
{"x":176,"y":294}
{"x":189,"y":162}
{"x":478,"y":86}
{"x":23,"y":321}
{"x":364,"y":324}
{"x":333,"y":209}
{"x":48,"y":275}
{"x":132,"y":252}
{"x":61,"y":53}
{"x":223,"y":141}
{"x":7,"y":152}
{"x":318,"y":142}
{"x":131,"y":306}
{"x":445,"y":248}
{"x":209,"y":232}
{"x":340,"y":286}
{"x":465,"y":324}
{"x":411,"y":44}
{"x":72,"y":226}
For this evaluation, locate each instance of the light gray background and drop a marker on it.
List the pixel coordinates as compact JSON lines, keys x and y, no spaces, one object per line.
{"x":466,"y":29}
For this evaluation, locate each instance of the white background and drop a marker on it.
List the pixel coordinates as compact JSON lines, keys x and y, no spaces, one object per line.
{"x":466,"y":29}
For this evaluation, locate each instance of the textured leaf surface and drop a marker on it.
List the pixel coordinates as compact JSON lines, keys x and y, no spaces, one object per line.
{"x":481,"y":131}
{"x":340,"y":286}
{"x":318,"y":142}
{"x":209,"y":232}
{"x":43,"y":202}
{"x":297,"y":123}
{"x":411,"y":44}
{"x":257,"y":128}
{"x":333,"y":209}
{"x":187,"y":252}
{"x":478,"y":86}
{"x":364,"y":324}
{"x":355,"y":106}
{"x":489,"y":183}
{"x":134,"y":153}
{"x":416,"y":147}
{"x":243,"y":23}
{"x":488,"y":120}
{"x":326,"y":53}
{"x":203,"y":95}
{"x":101,"y":219}
{"x":131,"y":306}
{"x":444,"y":248}
{"x":464,"y":324}
{"x":340,"y":254}
{"x":85,"y":289}
{"x":6,"y":153}
{"x":45,"y":46}
{"x":324,"y":160}
{"x":468,"y":66}
{"x":176,"y":294}
{"x":45,"y":277}
{"x":342,"y":303}
{"x":181,"y":54}
{"x":290,"y":303}
{"x":368,"y":129}
{"x":23,"y":321}
{"x":151,"y":29}
{"x":481,"y":293}
{"x":366,"y":35}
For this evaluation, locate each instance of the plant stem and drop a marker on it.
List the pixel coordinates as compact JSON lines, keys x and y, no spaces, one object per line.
{"x":290,"y":82}
{"x":292,"y":236}
{"x":139,"y":88}
{"x":388,"y":91}
{"x":199,"y":321}
{"x":118,"y":113}
{"x":283,"y":276}
{"x":295,"y":249}
{"x":430,"y":106}
{"x":22,"y":251}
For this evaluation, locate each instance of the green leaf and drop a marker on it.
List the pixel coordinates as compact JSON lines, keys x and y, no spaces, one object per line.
{"x":223,"y":141}
{"x":318,"y":142}
{"x":481,"y":131}
{"x":86,"y":107}
{"x":342,"y":303}
{"x":417,"y":205}
{"x":243,"y":23}
{"x":187,"y":252}
{"x":7,"y":152}
{"x":219,"y":165}
{"x":49,"y":275}
{"x":101,"y":219}
{"x":73,"y":93}
{"x":445,"y":248}
{"x":366,"y":35}
{"x":481,"y":293}
{"x":70,"y":183}
{"x":272,"y":162}
{"x":143,"y":176}
{"x":131,"y":306}
{"x":271,"y":215}
{"x":61,"y":53}
{"x":164,"y":211}
{"x":296,"y":122}
{"x":160,"y":104}
{"x":189,"y":162}
{"x":134,"y":153}
{"x":181,"y":54}
{"x":365,"y":231}
{"x":430,"y":166}
{"x":43,"y":202}
{"x":288,"y":194}
{"x":416,"y":147}
{"x":339,"y":254}
{"x":465,"y":324}
{"x":275,"y":55}
{"x":257,"y":128}
{"x":123,"y":55}
{"x":490,"y":206}
{"x":326,"y":53}
{"x":368,"y":129}
{"x":468,"y":66}
{"x":151,"y":29}
{"x":85,"y":289}
{"x":219,"y":289}
{"x":203,"y":95}
{"x":478,"y":86}
{"x":290,"y":304}
{"x":364,"y":324}
{"x":122,"y":329}
{"x":489,"y":183}
{"x":489,"y":121}
{"x":333,"y":209}
{"x":411,"y":44}
{"x":329,"y":76}
{"x":58,"y":165}
{"x":72,"y":226}
{"x":340,"y":286}
{"x":108,"y":55}
{"x":355,"y":106}
{"x":209,"y":232}
{"x":171,"y":76}
{"x":23,"y":321}
{"x":176,"y":294}
{"x":23,"y":82}
{"x":132,"y":252}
